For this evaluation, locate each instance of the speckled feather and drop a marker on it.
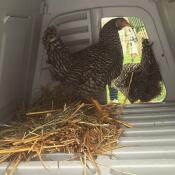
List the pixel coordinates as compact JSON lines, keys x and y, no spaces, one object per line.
{"x":86,"y":73}
{"x":146,"y":77}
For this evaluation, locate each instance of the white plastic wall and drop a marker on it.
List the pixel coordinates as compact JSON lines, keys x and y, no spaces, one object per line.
{"x":19,"y":27}
{"x":167,"y":14}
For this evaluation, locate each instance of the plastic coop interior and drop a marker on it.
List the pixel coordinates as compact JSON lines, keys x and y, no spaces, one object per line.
{"x":150,"y":145}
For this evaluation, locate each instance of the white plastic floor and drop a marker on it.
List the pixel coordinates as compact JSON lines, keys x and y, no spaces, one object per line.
{"x":149,"y":148}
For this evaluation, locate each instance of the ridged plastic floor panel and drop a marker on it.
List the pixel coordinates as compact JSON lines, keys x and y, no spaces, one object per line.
{"x":147,"y":149}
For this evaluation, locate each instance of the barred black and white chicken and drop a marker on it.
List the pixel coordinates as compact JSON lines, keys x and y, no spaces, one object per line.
{"x":85,"y":74}
{"x":141,"y":81}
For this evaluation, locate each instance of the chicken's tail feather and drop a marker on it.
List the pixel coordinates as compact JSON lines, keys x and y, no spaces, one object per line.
{"x":58,"y":55}
{"x":49,"y":35}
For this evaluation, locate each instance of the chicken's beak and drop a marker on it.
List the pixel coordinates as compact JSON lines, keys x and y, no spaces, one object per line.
{"x":129,"y":25}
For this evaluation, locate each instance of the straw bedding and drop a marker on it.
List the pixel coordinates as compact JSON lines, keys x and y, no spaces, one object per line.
{"x":86,"y":129}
